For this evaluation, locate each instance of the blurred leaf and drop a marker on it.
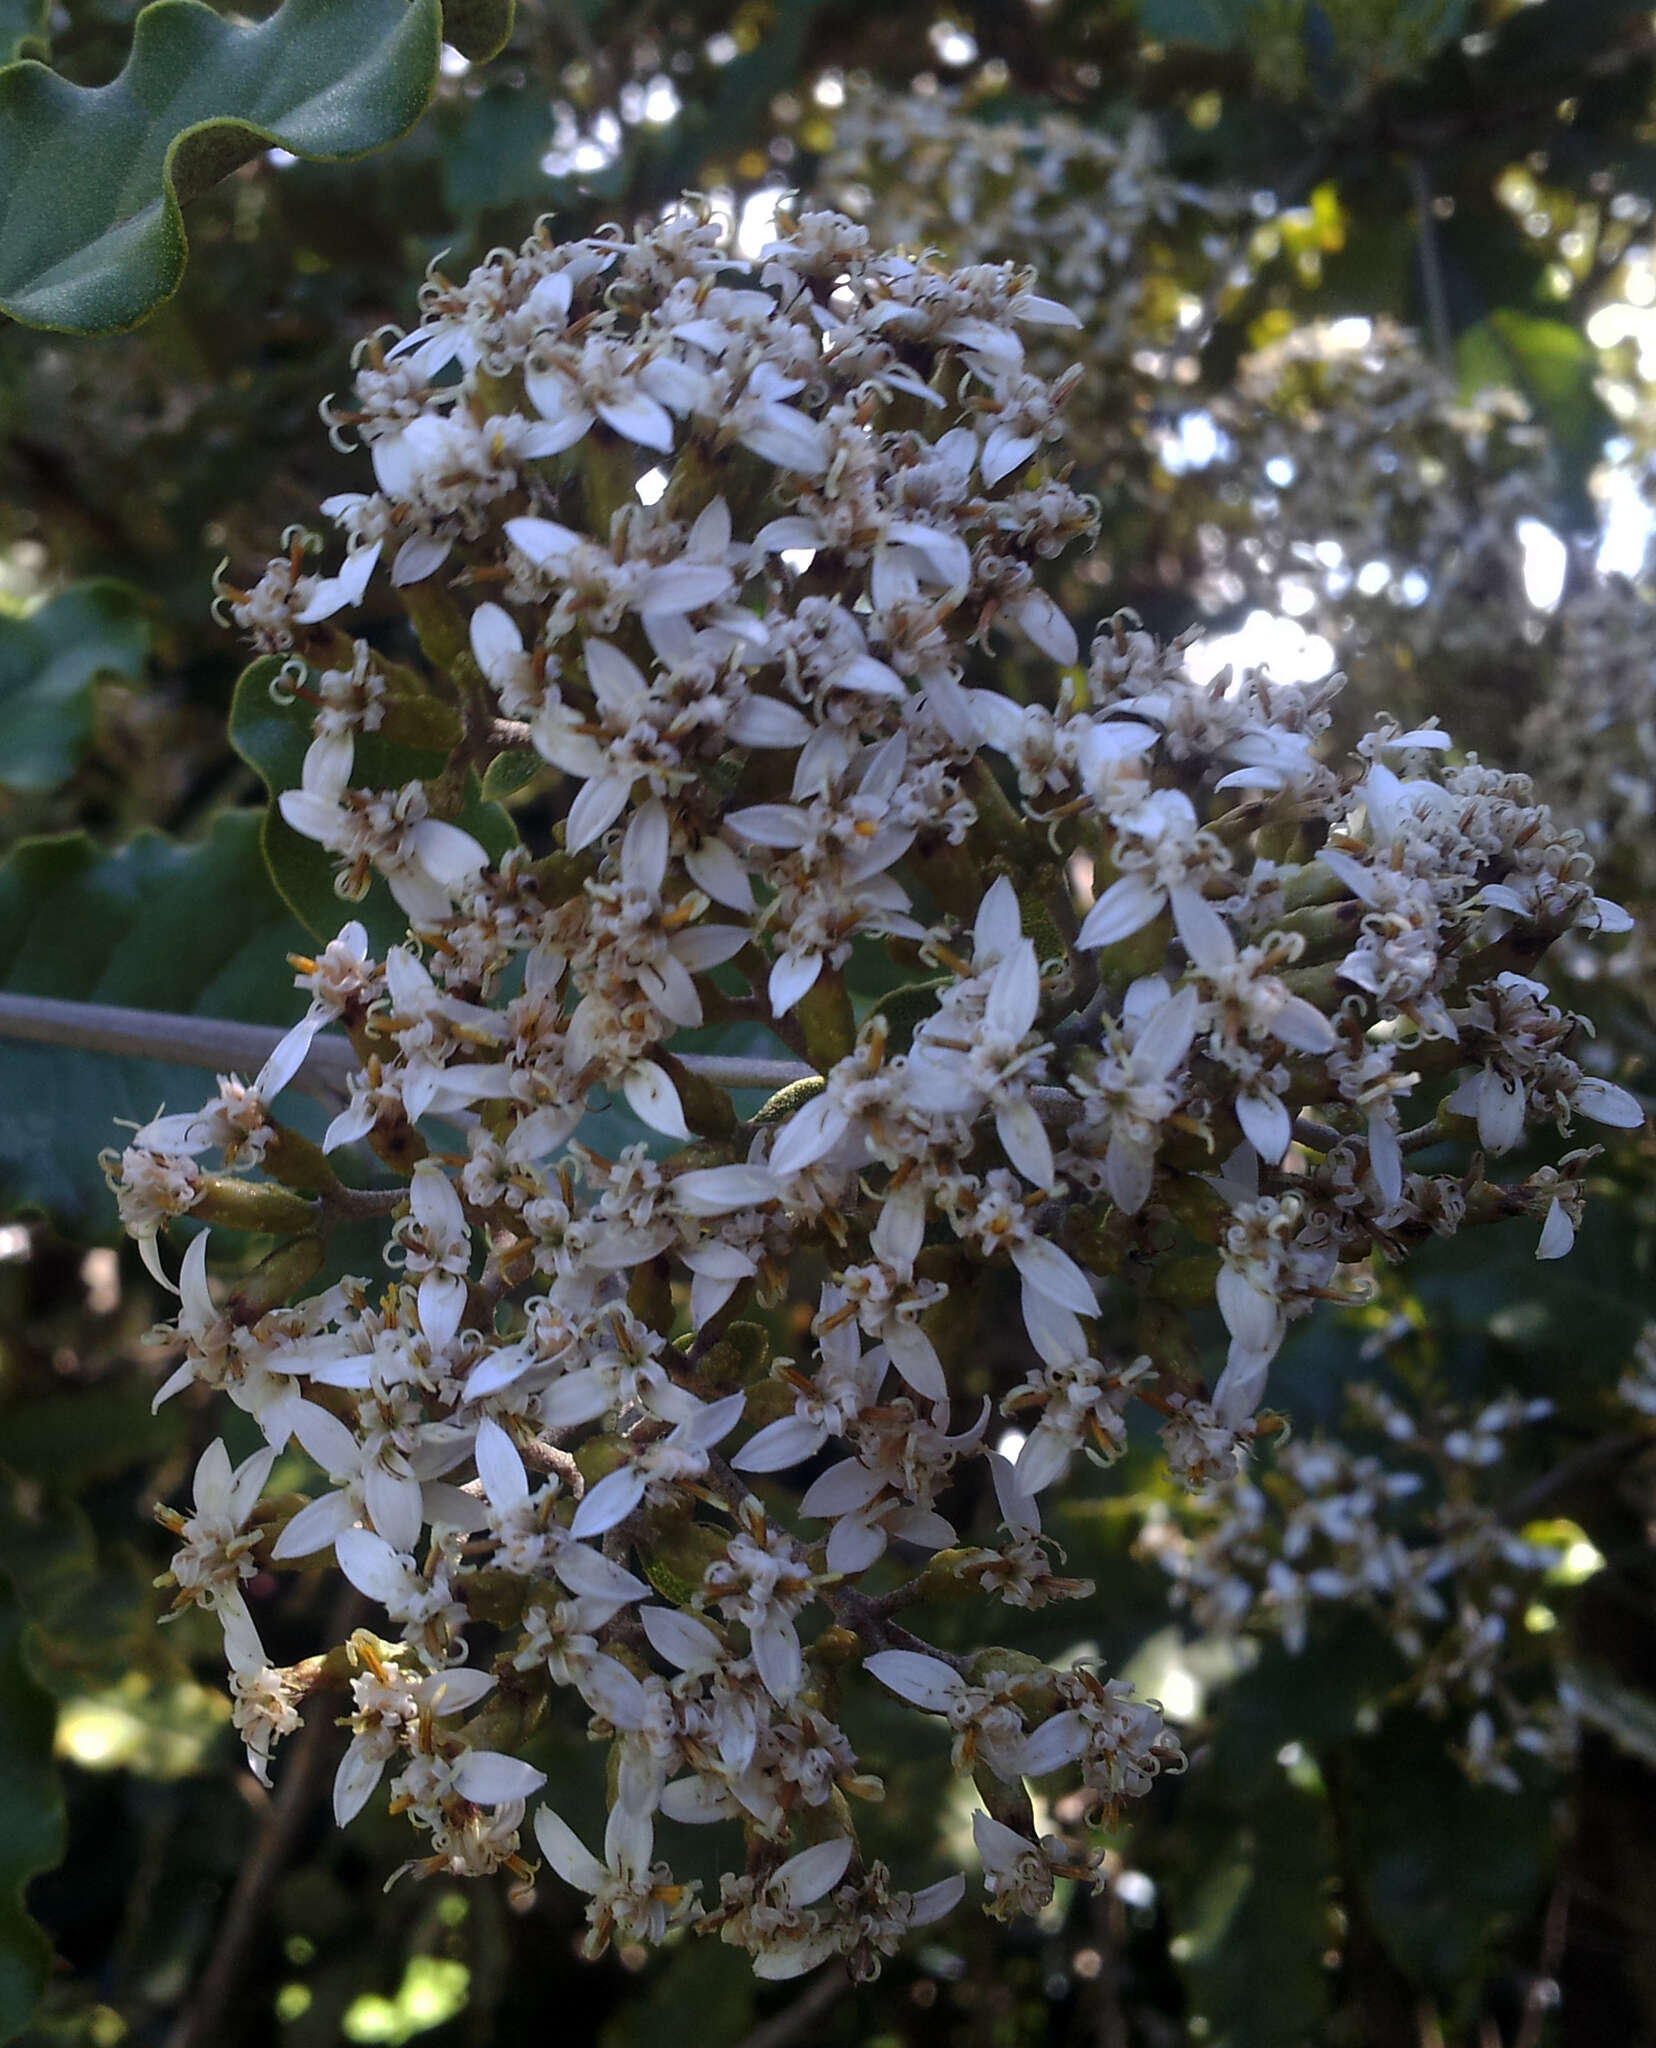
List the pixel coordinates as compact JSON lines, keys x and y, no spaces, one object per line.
{"x":1212,"y":24}
{"x":31,"y":1820}
{"x":1626,"y":1716}
{"x":85,"y":1433}
{"x":272,"y":737}
{"x":1415,"y":1818}
{"x":492,"y":155}
{"x":156,"y":926}
{"x":93,"y":181}
{"x":23,"y":29}
{"x":49,"y":664}
{"x":706,"y":1978}
{"x":1556,"y":367}
{"x":1253,"y":1947}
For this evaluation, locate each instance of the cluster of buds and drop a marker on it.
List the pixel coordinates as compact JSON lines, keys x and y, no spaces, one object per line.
{"x":1117,"y":1013}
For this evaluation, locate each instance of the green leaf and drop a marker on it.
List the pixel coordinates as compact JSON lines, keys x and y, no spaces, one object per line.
{"x":1626,"y":1716}
{"x":1556,"y":367}
{"x":49,"y":664}
{"x":23,"y":29}
{"x":32,"y":1830}
{"x":507,"y":773}
{"x":1436,"y":1908}
{"x":93,"y":180}
{"x":155,"y":926}
{"x":1252,"y":1949}
{"x":271,"y":738}
{"x":1211,"y":24}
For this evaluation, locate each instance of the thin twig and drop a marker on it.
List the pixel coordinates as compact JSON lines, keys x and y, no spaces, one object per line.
{"x":228,"y":1047}
{"x":164,"y":1035}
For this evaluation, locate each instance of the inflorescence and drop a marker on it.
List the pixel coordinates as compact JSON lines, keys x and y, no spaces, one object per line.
{"x":742,"y":568}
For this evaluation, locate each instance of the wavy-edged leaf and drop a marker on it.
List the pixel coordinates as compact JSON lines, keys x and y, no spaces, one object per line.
{"x":31,"y":1819}
{"x":271,"y":738}
{"x":49,"y":663}
{"x":93,"y":179}
{"x":155,"y":926}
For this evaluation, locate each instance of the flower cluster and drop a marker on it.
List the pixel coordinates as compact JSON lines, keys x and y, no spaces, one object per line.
{"x":1415,"y":1533}
{"x":1359,"y":489}
{"x":1114,"y":1009}
{"x":1145,"y":258}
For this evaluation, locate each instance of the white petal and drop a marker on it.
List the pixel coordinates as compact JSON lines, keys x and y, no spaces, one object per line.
{"x":593,"y":1576}
{"x":1266,"y":1125}
{"x":788,"y":1441}
{"x":1051,"y":1271}
{"x":915,"y":1357}
{"x":1127,"y":906}
{"x":1607,"y":1104}
{"x":719,"y":1190}
{"x":1025,"y":1142}
{"x":420,"y":556}
{"x":777,"y":1657}
{"x":611,"y":1689}
{"x":716,"y":871}
{"x":1557,"y":1233}
{"x":923,"y":1681}
{"x":1203,"y":933}
{"x":654,"y":1100}
{"x":1047,"y":627}
{"x":371,"y":1565}
{"x":640,"y":419}
{"x":936,"y":1901}
{"x":317,"y":1526}
{"x":814,"y":1872}
{"x":763,"y":722}
{"x":792,"y":978}
{"x":454,"y":1692}
{"x":808,"y":1135}
{"x":488,"y":1778}
{"x":681,"y":1639}
{"x":326,"y":1439}
{"x":600,"y":802}
{"x":567,"y":1854}
{"x":359,"y":1772}
{"x":499,"y":1466}
{"x":1056,"y":1742}
{"x":612,"y":1500}
{"x":394,"y":1505}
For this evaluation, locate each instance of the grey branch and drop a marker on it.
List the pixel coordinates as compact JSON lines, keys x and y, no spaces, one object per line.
{"x":227,"y":1047}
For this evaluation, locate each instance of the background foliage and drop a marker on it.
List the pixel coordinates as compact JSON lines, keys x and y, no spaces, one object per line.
{"x":1481,"y":174}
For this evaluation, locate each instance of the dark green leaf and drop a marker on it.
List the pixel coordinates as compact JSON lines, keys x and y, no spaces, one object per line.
{"x":49,"y":663}
{"x":155,"y":926}
{"x":92,"y":181}
{"x":1253,"y":1945}
{"x":1211,"y":24}
{"x":1416,"y":1819}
